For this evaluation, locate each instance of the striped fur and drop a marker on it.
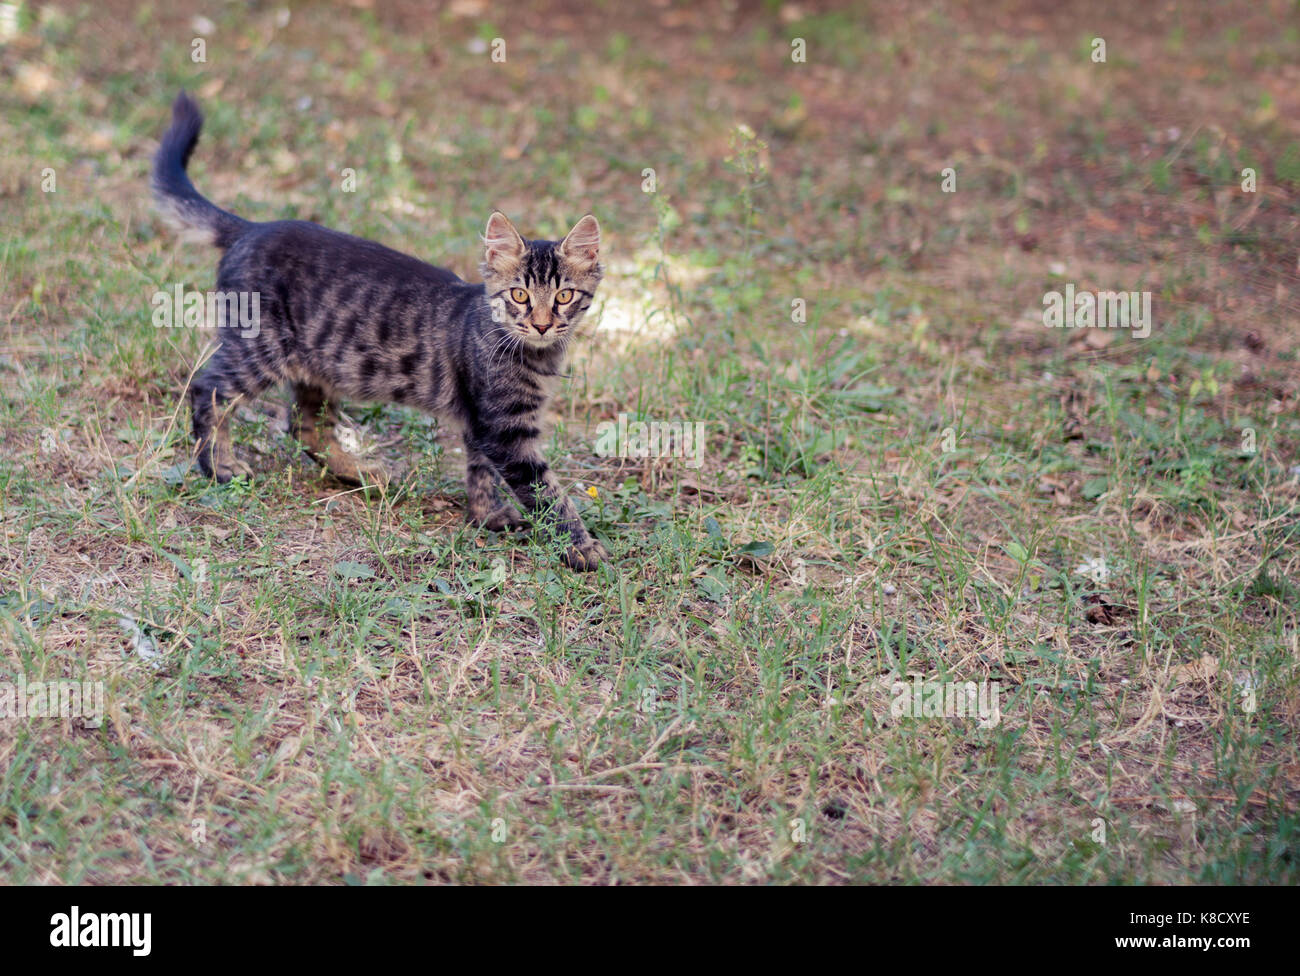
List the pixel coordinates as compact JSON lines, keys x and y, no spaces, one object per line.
{"x":343,"y":317}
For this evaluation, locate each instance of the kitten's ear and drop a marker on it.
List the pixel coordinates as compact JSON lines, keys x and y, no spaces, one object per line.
{"x":581,"y":245}
{"x":503,"y":247}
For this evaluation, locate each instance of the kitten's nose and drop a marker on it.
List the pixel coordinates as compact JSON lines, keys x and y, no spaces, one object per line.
{"x":541,"y":327}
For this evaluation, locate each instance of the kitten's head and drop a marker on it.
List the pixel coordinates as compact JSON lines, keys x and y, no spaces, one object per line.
{"x":538,"y":290}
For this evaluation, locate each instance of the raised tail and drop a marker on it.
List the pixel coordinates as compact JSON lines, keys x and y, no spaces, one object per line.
{"x":182,"y":206}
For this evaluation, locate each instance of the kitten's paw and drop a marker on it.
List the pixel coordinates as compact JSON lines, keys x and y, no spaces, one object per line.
{"x":223,"y":474}
{"x":372,"y":473}
{"x":238,"y":469}
{"x":501,"y":519}
{"x":586,"y":556}
{"x":352,"y":470}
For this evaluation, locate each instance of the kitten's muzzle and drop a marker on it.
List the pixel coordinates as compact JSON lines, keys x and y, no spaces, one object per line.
{"x":542,"y":327}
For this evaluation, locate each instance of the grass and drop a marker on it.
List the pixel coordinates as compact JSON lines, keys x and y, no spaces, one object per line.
{"x":905,"y":474}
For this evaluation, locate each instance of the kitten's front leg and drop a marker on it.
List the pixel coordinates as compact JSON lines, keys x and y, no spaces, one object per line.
{"x":519,"y":460}
{"x":484,"y":491}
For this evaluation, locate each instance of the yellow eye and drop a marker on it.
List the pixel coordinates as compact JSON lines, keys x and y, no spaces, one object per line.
{"x":519,"y":295}
{"x":564,"y":296}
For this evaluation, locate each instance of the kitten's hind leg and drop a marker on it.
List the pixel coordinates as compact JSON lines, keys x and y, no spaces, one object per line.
{"x":485,"y":489}
{"x":313,"y":423}
{"x":212,"y":401}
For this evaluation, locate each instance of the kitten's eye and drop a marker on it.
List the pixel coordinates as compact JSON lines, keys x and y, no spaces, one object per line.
{"x":564,"y":296}
{"x":520,"y":295}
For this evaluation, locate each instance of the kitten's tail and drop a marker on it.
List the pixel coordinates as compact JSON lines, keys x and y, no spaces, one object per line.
{"x":182,"y":206}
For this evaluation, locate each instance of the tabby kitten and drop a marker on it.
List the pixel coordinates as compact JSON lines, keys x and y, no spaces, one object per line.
{"x":345,"y":317}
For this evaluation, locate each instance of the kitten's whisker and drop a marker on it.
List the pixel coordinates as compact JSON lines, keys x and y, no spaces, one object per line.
{"x":502,"y":347}
{"x":492,"y":356}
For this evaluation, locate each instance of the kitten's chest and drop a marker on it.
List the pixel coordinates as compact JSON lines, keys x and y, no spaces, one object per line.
{"x":515,"y":398}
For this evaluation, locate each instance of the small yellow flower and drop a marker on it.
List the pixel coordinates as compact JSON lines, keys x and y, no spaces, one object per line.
{"x":593,"y":492}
